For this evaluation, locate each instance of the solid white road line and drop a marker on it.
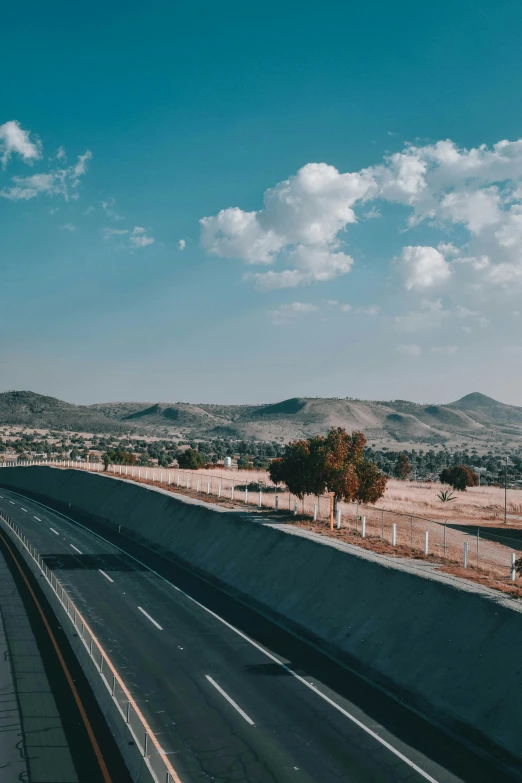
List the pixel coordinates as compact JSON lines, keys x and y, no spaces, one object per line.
{"x":54,"y":531}
{"x":76,"y":549}
{"x":261,"y":649}
{"x":105,"y":575}
{"x":230,"y":701}
{"x":153,"y":621}
{"x":38,"y":519}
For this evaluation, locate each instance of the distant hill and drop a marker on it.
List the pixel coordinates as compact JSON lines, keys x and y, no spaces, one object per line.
{"x":35,"y":410}
{"x":474,"y":419}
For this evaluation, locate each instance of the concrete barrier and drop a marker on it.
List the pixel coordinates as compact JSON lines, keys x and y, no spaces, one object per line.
{"x":447,"y":647}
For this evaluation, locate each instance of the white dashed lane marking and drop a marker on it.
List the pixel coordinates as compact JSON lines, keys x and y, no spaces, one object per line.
{"x":105,"y":575}
{"x":76,"y":549}
{"x":153,"y":621}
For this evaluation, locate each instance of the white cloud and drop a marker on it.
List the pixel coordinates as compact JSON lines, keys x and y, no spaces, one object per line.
{"x":298,"y":227}
{"x":345,"y":308}
{"x":89,"y":210}
{"x":68,"y":227}
{"x":409,"y":350}
{"x":310,"y":264}
{"x":430,"y":316}
{"x":464,"y":312}
{"x":477,"y":191}
{"x":182,"y":244}
{"x":370,"y":310}
{"x":446,"y":350}
{"x":290,"y":312}
{"x":57,"y":182}
{"x":108,"y":233}
{"x":423,"y":267}
{"x":16,"y":141}
{"x":139,"y":237}
{"x":60,"y":154}
{"x":109,"y":209}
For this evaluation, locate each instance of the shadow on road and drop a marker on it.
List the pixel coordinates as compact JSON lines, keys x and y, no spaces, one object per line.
{"x":106,"y":562}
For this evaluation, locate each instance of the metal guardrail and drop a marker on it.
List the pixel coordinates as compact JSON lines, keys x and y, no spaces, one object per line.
{"x":154,"y":756}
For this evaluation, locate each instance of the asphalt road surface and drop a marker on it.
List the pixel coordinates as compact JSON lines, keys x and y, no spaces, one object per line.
{"x":230,"y":695}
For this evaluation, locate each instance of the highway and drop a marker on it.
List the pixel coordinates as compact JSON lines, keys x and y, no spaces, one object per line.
{"x":231,"y":696}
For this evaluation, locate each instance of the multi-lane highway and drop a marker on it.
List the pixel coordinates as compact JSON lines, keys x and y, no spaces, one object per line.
{"x":230,"y":695}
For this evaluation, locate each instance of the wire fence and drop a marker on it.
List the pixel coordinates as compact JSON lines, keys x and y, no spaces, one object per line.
{"x":466,"y":545}
{"x":152,"y":752}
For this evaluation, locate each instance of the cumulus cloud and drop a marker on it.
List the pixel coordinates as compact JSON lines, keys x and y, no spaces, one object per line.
{"x":297,"y":226}
{"x":16,"y":141}
{"x":423,"y":267}
{"x":290,"y":312}
{"x":409,"y":350}
{"x":68,"y":227}
{"x":182,"y":244}
{"x":476,"y":190}
{"x":370,"y":310}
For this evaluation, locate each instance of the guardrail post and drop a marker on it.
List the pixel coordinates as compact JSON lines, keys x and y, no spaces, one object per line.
{"x":465,"y":561}
{"x":246,"y":494}
{"x":260,"y":497}
{"x":426,"y":543}
{"x":513,"y":570}
{"x":315,"y":512}
{"x":338,"y":519}
{"x":231,"y":491}
{"x":394,"y":534}
{"x":363,"y":527}
{"x":208,"y":487}
{"x":219,"y":492}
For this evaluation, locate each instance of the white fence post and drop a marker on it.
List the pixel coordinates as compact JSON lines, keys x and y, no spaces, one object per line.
{"x":394,"y":534}
{"x":208,"y":487}
{"x":363,"y":527}
{"x":465,"y":554}
{"x":219,"y":490}
{"x":276,"y":503}
{"x":513,"y":571}
{"x":426,"y":543}
{"x":198,"y":485}
{"x":231,"y":491}
{"x":338,"y":519}
{"x":295,"y":508}
{"x":246,"y":493}
{"x":260,"y":497}
{"x":315,"y":512}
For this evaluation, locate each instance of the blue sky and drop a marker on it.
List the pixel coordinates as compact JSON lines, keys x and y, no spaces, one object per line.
{"x":347,"y":247}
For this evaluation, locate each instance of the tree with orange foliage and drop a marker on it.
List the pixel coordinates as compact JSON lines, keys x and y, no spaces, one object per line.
{"x":334,"y":463}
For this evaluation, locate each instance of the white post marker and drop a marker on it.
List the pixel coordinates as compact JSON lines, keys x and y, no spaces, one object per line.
{"x":295,"y":508}
{"x":315,"y":512}
{"x":465,"y":554}
{"x":426,"y":543}
{"x":513,"y":570}
{"x":276,"y":502}
{"x":394,"y":534}
{"x":363,"y":527}
{"x":219,"y":491}
{"x":246,"y":494}
{"x":260,"y":497}
{"x":208,"y":487}
{"x":338,"y":519}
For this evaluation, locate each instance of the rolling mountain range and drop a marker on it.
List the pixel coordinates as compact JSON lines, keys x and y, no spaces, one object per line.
{"x":475,"y":419}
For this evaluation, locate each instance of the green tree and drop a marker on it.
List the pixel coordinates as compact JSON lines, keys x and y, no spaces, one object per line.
{"x":459,"y":477}
{"x":402,"y":467}
{"x":190,"y":459}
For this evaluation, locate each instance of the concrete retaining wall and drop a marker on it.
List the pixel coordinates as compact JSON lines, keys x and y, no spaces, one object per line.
{"x":450,"y":649}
